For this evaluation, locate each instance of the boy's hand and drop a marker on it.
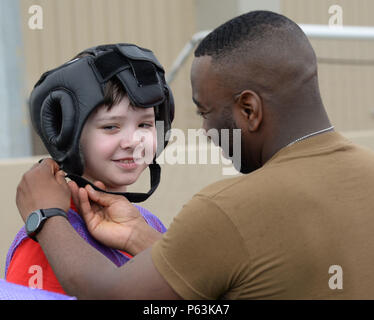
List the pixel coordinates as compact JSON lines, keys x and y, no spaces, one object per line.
{"x":113,"y":220}
{"x":42,"y":187}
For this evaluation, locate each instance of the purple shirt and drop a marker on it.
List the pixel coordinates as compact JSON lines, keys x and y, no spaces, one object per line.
{"x":78,"y":224}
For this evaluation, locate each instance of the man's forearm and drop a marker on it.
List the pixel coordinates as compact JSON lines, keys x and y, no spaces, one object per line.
{"x":87,"y":274}
{"x":142,"y":237}
{"x":81,"y":270}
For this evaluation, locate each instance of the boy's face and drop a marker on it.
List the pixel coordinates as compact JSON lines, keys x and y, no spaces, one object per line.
{"x":118,"y":144}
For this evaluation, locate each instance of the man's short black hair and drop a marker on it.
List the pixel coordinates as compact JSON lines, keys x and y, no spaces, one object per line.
{"x":247,"y":27}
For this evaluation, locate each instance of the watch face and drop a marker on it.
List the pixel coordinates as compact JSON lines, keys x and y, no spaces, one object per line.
{"x":33,"y":221}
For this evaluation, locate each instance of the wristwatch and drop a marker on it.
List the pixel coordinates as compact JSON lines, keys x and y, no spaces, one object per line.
{"x":37,"y":218}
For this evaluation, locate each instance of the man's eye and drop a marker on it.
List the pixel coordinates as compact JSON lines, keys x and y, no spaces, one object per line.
{"x":201,"y":114}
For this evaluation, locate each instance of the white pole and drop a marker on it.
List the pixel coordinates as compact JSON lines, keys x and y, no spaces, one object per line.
{"x":337,"y":32}
{"x":183,"y":55}
{"x":15,"y":138}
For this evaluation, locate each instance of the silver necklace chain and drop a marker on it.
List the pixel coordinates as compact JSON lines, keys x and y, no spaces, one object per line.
{"x":310,"y":135}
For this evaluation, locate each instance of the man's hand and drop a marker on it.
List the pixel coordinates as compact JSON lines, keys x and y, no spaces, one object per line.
{"x":113,"y":220}
{"x":42,"y":187}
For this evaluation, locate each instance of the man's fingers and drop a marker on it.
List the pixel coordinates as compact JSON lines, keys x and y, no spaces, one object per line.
{"x":102,"y":199}
{"x":100,"y":185}
{"x":74,"y":189}
{"x":49,"y":164}
{"x":85,"y":206}
{"x":45,"y":168}
{"x":43,"y":186}
{"x":35,"y":165}
{"x":60,"y":177}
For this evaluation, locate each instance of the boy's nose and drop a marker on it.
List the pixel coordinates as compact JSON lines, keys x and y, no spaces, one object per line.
{"x":130,"y":140}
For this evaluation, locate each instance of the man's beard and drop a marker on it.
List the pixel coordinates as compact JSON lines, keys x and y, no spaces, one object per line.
{"x":240,"y":162}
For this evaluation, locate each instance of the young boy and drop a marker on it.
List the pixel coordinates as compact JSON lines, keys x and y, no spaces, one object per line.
{"x":109,"y":139}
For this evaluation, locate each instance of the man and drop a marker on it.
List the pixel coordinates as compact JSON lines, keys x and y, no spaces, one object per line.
{"x":304,"y":206}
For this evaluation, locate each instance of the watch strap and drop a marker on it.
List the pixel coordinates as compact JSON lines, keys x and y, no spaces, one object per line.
{"x":51,"y":212}
{"x":47,"y":213}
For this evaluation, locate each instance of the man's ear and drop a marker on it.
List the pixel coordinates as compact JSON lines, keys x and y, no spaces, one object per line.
{"x":250,"y":106}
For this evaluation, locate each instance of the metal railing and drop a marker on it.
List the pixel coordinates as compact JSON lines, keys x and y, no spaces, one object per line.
{"x":311,"y":30}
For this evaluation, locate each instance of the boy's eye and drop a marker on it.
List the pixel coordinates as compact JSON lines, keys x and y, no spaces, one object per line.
{"x":146,"y":125}
{"x":108,"y":128}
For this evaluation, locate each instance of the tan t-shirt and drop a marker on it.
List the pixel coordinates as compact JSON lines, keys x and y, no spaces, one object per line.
{"x":300,"y":227}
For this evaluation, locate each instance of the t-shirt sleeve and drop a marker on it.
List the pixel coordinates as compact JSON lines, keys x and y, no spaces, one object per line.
{"x":202,"y":255}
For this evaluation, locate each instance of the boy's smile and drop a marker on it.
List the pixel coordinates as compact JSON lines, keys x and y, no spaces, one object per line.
{"x":127,"y":163}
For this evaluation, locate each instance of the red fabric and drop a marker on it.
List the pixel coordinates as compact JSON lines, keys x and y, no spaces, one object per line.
{"x":22,"y":268}
{"x":29,"y":266}
{"x":72,"y":206}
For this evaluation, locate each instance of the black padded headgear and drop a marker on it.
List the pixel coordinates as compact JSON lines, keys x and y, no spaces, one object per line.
{"x":64,"y":97}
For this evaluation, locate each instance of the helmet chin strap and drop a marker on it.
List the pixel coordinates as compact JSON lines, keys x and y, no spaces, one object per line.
{"x":155,"y":171}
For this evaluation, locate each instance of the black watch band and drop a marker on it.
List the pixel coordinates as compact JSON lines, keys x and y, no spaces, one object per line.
{"x":54,"y":212}
{"x":37,"y":218}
